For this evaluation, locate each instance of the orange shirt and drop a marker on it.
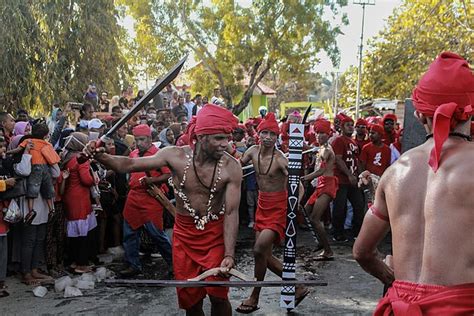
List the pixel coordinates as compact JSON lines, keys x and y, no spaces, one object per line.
{"x":42,"y":152}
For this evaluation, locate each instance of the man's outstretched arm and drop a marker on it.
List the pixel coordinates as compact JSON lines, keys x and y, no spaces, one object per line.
{"x":127,"y":165}
{"x":374,"y":228}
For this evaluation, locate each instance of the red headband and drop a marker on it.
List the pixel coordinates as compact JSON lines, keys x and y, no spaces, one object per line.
{"x":362,"y":121}
{"x":377,"y":128}
{"x":389,"y":116}
{"x":269,"y":123}
{"x":322,"y":126}
{"x":141,"y":130}
{"x":446,"y":93}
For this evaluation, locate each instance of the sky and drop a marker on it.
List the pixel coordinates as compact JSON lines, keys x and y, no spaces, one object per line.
{"x":375,"y":19}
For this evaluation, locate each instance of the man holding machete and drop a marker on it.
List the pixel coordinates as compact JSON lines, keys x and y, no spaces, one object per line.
{"x":207,"y":185}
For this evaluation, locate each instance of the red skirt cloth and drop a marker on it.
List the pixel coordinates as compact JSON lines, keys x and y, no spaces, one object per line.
{"x":195,"y":251}
{"x":326,"y":185}
{"x":141,"y":208}
{"x":271,"y":213}
{"x":411,"y":299}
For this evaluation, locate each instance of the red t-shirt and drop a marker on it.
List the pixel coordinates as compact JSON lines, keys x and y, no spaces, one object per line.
{"x":377,"y":159}
{"x":361,"y":144}
{"x":347,"y":148}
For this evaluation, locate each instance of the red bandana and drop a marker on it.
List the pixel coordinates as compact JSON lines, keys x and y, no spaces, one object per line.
{"x":141,"y":130}
{"x":269,"y":123}
{"x":445,"y":92}
{"x":322,"y":126}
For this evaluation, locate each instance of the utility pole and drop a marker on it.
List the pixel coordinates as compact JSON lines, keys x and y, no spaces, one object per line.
{"x":336,"y":92}
{"x":363,"y":3}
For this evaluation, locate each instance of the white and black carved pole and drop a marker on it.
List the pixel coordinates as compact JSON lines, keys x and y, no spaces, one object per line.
{"x":287,"y":299}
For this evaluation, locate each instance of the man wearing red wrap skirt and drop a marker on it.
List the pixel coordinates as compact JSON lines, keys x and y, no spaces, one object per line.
{"x":207,"y":189}
{"x":270,"y":218}
{"x":426,"y":199}
{"x":327,"y":186}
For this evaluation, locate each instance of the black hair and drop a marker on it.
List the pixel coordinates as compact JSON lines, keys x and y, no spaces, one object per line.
{"x":21,"y":111}
{"x":115,"y":107}
{"x":3,"y":116}
{"x":84,"y":107}
{"x":39,"y":130}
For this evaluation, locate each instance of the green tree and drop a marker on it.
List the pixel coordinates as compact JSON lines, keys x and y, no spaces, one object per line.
{"x":415,"y":34}
{"x":235,"y":42}
{"x":55,"y":48}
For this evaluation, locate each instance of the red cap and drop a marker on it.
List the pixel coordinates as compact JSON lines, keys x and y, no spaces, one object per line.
{"x":377,"y":128}
{"x":142,"y":130}
{"x":362,"y":121}
{"x":322,"y":126}
{"x":269,"y":123}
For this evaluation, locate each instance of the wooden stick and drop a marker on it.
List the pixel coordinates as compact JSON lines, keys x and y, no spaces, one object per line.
{"x":184,"y":283}
{"x":156,"y":192}
{"x":215,"y":271}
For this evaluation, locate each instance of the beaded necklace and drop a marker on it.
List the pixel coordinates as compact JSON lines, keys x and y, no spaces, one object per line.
{"x":200,"y":222}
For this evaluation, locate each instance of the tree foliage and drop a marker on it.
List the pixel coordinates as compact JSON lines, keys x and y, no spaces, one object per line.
{"x":415,"y":34}
{"x":235,"y":42}
{"x":52,"y":49}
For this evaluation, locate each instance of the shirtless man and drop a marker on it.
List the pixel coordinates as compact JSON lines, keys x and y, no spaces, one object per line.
{"x":207,"y":187}
{"x":426,"y":199}
{"x":326,"y":189}
{"x":271,"y":169}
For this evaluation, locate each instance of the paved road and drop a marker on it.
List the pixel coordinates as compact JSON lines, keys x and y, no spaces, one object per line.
{"x":350,"y":291}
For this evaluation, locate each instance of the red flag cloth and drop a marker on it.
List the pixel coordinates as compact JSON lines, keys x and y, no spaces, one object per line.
{"x":362,"y":121}
{"x":378,"y":128}
{"x":322,"y":126}
{"x":140,"y":206}
{"x":269,"y":123}
{"x":411,"y":299}
{"x":271,"y":213}
{"x":326,"y":185}
{"x":445,"y":92}
{"x":141,"y":130}
{"x":195,"y":251}
{"x":212,"y":119}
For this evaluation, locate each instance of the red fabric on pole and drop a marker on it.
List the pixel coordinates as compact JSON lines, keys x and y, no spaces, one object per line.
{"x":196,"y":251}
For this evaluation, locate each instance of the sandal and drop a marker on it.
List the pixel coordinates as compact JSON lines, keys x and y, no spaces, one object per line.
{"x":4,"y":293}
{"x":246,"y":309}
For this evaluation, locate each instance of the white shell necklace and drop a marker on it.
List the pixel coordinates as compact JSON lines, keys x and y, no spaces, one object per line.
{"x":199,"y":221}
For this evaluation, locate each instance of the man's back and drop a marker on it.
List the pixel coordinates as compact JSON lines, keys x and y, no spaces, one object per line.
{"x":432,"y":214}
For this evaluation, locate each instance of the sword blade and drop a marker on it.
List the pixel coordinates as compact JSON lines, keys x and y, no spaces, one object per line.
{"x":239,"y":283}
{"x":160,"y":85}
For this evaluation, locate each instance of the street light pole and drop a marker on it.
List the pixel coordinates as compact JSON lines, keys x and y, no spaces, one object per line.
{"x":359,"y":71}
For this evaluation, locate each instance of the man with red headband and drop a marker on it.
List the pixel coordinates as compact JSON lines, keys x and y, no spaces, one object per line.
{"x":361,"y":133}
{"x":326,"y":188}
{"x":425,"y":200}
{"x":207,"y":189}
{"x":347,"y":171}
{"x":270,"y":218}
{"x":390,"y":137}
{"x":142,"y":210}
{"x":375,"y":156}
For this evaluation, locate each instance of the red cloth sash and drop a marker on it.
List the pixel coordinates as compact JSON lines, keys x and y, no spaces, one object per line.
{"x":326,"y":185}
{"x":411,"y":299}
{"x":195,"y":251}
{"x":271,"y":213}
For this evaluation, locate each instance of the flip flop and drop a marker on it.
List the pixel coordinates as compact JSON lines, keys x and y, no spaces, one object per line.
{"x":301,"y":298}
{"x":4,"y":293}
{"x":246,"y":309}
{"x":324,"y":258}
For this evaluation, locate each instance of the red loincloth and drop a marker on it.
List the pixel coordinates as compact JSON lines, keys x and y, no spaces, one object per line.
{"x":195,"y":251}
{"x":411,"y":299}
{"x":326,"y":185}
{"x":271,"y":213}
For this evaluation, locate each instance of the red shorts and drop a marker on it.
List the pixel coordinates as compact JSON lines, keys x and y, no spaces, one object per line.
{"x":326,"y":185}
{"x":196,"y":251}
{"x":271,"y":213}
{"x":412,"y":299}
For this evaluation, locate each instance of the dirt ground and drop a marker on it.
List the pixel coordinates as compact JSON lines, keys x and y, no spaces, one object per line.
{"x":350,"y":290}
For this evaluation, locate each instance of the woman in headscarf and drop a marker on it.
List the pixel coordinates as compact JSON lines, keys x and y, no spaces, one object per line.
{"x":166,"y":137}
{"x":22,"y":128}
{"x":79,"y":216}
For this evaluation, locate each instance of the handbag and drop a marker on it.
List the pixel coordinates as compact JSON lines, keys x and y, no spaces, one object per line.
{"x":17,"y":191}
{"x":12,"y":214}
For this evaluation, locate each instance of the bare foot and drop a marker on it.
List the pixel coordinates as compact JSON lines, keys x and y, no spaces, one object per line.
{"x":40,"y":276}
{"x":83,"y":269}
{"x":28,"y":279}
